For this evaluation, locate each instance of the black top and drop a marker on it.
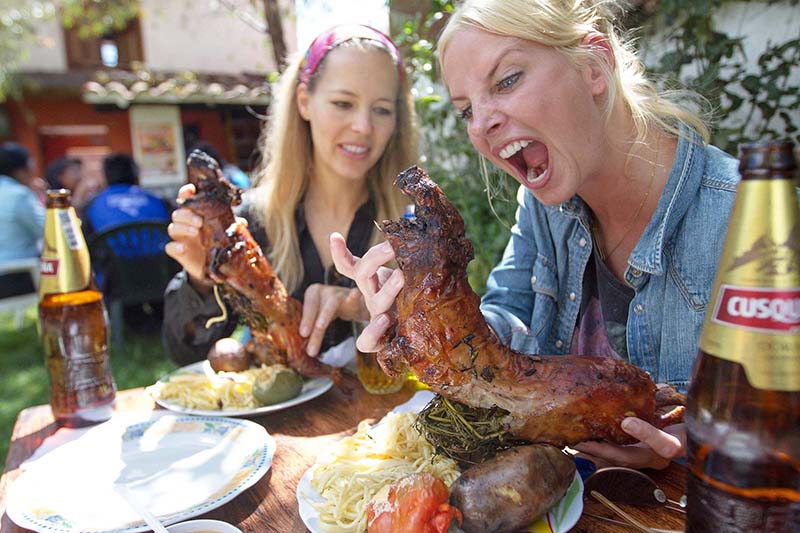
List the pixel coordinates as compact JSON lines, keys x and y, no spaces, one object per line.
{"x":187,"y":340}
{"x":615,"y":298}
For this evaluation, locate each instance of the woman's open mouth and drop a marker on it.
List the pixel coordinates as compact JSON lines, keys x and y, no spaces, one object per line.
{"x":529,"y":159}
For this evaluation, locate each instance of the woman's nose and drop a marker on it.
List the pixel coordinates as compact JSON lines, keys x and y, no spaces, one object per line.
{"x":485,"y":121}
{"x":362,"y":122}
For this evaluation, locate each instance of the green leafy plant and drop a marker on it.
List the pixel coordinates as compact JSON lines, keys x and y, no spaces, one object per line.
{"x":690,"y":51}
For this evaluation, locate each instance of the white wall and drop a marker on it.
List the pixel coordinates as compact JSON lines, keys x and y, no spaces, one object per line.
{"x":197,"y":35}
{"x":47,"y":53}
{"x":194,"y":35}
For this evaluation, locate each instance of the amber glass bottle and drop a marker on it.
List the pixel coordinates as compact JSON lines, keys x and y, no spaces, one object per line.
{"x":743,"y":412}
{"x":73,"y":321}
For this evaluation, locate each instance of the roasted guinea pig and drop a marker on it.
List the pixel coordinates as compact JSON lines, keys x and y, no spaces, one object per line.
{"x":243,"y":275}
{"x":442,"y":336}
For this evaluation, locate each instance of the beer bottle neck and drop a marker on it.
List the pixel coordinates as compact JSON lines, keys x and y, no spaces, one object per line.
{"x":65,"y":264}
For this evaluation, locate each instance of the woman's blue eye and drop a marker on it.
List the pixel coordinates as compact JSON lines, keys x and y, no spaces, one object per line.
{"x":343,"y":105}
{"x":466,"y":113}
{"x":383,"y":111}
{"x":509,"y":81}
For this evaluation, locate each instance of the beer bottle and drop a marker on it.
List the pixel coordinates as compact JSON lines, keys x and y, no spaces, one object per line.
{"x":743,"y":409}
{"x":73,"y":321}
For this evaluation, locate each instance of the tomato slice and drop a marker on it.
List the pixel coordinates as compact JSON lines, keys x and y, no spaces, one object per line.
{"x":413,"y":504}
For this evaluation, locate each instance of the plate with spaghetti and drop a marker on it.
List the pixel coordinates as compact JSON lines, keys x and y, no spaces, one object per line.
{"x":197,"y":390}
{"x":333,"y":494}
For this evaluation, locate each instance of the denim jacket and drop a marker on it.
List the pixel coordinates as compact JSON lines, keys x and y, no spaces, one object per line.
{"x":534,"y":294}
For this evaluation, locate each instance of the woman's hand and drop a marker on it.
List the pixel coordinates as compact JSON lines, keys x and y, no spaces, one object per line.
{"x":655,"y":449}
{"x":324,"y":303}
{"x":378,"y":285}
{"x":186,"y":247}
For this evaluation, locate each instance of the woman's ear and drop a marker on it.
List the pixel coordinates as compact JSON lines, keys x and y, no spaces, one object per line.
{"x":601,"y":62}
{"x":301,"y":95}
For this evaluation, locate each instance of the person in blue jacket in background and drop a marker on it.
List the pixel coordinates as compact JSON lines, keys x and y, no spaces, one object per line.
{"x":121,"y":203}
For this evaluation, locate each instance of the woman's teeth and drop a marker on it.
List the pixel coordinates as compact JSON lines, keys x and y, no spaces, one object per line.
{"x":353,"y":149}
{"x":513,"y":148}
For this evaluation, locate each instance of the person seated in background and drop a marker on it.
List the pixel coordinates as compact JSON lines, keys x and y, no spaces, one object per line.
{"x":232,"y":173}
{"x":67,"y":173}
{"x":122,"y":202}
{"x":21,"y":216}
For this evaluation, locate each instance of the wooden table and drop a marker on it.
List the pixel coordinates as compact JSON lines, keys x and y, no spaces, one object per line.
{"x":301,"y":433}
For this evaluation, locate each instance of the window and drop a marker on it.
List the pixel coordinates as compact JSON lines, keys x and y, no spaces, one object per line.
{"x":114,"y":50}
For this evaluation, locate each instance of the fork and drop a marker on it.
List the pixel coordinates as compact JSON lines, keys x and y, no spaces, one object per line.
{"x":148,"y":517}
{"x":628,"y":518}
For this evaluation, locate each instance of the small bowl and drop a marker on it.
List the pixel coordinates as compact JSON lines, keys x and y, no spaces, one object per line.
{"x":203,"y":526}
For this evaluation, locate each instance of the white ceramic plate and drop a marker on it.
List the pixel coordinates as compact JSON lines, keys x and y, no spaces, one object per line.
{"x":559,"y":519}
{"x":178,"y":467}
{"x":203,"y":526}
{"x":311,"y":389}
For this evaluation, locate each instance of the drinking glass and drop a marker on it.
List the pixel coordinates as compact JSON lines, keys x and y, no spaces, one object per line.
{"x":369,"y":371}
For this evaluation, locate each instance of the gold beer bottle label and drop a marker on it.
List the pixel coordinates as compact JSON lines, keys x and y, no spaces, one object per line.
{"x":754,"y":314}
{"x":65,"y":265}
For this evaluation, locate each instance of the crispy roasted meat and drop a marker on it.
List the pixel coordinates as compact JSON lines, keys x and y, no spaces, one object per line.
{"x":442,"y":336}
{"x":244,"y":276}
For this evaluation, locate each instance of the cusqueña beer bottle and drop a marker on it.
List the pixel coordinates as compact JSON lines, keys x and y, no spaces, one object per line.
{"x":73,"y":321}
{"x":743,"y":411}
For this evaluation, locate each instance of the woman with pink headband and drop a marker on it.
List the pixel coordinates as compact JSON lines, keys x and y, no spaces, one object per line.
{"x":340,"y":128}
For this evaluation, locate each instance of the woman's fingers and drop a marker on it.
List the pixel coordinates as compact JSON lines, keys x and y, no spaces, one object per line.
{"x":384,"y":298}
{"x":366,"y":268}
{"x":378,"y":284}
{"x":369,"y":340}
{"x":655,"y":449}
{"x":187,"y":217}
{"x":342,"y":258}
{"x":320,"y":304}
{"x":664,"y":444}
{"x":325,"y":315}
{"x":185,"y":192}
{"x":633,"y":456}
{"x":310,"y":309}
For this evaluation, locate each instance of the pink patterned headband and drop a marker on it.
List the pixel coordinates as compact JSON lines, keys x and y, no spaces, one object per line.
{"x":330,"y":39}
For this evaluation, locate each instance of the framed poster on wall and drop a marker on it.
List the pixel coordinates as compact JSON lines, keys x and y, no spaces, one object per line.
{"x":157,"y":139}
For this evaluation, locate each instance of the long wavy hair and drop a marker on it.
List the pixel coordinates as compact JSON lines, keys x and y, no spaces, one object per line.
{"x":563,"y":24}
{"x":287,"y":165}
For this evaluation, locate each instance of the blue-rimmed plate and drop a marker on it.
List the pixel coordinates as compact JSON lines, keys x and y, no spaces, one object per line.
{"x":178,"y":467}
{"x":312,"y":387}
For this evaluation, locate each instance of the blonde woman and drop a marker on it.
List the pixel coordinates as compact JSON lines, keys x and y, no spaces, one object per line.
{"x":340,"y":129}
{"x":621,"y":206}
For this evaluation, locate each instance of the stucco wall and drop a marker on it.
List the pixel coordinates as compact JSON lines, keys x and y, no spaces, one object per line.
{"x":195,"y":35}
{"x":46,"y":53}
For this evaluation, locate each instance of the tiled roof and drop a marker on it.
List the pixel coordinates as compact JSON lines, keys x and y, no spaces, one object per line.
{"x":123,"y":88}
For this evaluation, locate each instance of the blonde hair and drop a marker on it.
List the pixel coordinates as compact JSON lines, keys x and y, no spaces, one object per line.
{"x":287,"y":165}
{"x":563,"y":24}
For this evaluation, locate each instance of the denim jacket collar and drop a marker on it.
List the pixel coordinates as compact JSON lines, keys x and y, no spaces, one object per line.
{"x":682,"y":185}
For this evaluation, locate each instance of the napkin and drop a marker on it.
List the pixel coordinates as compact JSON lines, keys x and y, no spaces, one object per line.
{"x":341,"y":354}
{"x":118,"y":422}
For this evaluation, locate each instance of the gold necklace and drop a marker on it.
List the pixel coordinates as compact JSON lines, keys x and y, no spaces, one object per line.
{"x":633,"y":219}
